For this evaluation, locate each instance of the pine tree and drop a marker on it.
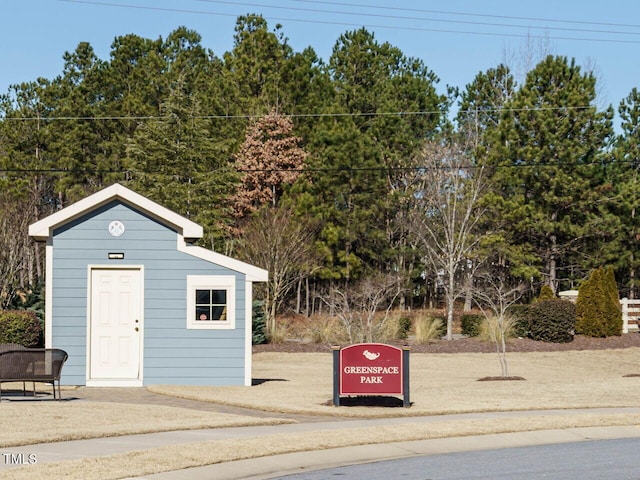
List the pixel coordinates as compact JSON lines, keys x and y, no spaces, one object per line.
{"x":269,"y":158}
{"x":625,"y":190}
{"x":175,"y":162}
{"x":544,"y":158}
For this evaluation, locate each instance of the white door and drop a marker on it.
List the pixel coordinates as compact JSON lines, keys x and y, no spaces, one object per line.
{"x":115,"y":326}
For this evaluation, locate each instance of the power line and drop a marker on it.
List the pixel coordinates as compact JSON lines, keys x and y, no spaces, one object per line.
{"x":400,"y":17}
{"x":304,"y":170}
{"x":356,"y":24}
{"x":296,"y":115}
{"x":468,"y":14}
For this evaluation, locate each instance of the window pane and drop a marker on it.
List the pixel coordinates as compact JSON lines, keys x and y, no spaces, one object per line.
{"x":219,"y":313}
{"x":203,"y":313}
{"x":218,"y":297}
{"x":203,"y":297}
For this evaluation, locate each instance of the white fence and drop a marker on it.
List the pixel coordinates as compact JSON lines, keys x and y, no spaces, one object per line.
{"x":630,"y":314}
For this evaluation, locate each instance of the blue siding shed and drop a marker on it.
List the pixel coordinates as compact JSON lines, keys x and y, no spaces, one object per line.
{"x":134,"y":303}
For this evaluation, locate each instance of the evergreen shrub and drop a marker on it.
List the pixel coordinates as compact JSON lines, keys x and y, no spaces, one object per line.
{"x":552,"y":321}
{"x":598,"y":312}
{"x":546,"y":293}
{"x":404,"y":325}
{"x":20,"y":326}
{"x":258,"y":321}
{"x":470,"y":324}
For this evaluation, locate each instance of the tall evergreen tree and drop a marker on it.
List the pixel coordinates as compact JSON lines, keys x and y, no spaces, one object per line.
{"x":545,"y":164}
{"x":175,"y":163}
{"x":384,"y":105}
{"x":482,"y":102}
{"x":626,"y":186}
{"x":82,"y":142}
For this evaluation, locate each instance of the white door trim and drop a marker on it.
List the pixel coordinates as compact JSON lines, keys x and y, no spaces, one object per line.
{"x":138,"y":382}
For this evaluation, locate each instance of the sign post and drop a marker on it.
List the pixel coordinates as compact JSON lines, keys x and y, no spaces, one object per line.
{"x":371,"y":369}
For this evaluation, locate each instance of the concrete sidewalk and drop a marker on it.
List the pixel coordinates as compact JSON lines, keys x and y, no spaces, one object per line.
{"x":267,"y":467}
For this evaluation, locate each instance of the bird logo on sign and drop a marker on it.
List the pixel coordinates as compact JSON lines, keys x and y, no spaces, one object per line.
{"x":370,"y":356}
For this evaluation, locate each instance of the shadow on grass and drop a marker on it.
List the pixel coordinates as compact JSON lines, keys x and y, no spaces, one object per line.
{"x":497,"y":379}
{"x":260,"y":381}
{"x":368,"y":401}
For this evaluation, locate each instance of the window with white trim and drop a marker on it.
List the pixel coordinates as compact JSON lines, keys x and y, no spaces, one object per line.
{"x":211,"y":301}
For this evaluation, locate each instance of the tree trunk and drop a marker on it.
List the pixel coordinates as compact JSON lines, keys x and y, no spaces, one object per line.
{"x":306,"y":299}
{"x":552,"y":261}
{"x":298,"y":296}
{"x":468,"y":294}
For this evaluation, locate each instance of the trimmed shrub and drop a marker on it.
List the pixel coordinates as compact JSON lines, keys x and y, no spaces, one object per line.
{"x":470,"y":324}
{"x":546,"y":293}
{"x":404,"y":325}
{"x":552,"y":321}
{"x":598,"y":306}
{"x":20,"y":326}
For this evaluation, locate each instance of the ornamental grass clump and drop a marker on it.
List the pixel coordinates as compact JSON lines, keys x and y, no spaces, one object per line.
{"x":428,"y":329}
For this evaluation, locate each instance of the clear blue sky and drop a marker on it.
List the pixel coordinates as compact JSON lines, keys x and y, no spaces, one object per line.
{"x":455,"y":38}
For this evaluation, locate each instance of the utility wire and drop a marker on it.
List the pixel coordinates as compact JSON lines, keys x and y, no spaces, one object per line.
{"x":418,"y":169}
{"x":468,"y":14}
{"x":400,"y":17}
{"x":353,"y":24}
{"x":297,"y":115}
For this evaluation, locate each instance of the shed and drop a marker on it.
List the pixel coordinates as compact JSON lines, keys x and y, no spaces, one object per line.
{"x":134,"y":302}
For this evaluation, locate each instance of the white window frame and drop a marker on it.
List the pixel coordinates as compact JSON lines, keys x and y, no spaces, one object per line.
{"x":211,"y":282}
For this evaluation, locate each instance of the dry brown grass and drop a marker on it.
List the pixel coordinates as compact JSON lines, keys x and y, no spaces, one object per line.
{"x":172,"y":458}
{"x":440,"y":383}
{"x":427,"y":329}
{"x":61,"y":421}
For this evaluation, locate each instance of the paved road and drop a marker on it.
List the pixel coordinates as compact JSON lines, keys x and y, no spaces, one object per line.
{"x":590,"y":460}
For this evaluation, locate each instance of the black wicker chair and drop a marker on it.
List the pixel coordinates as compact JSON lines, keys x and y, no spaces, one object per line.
{"x":32,"y":365}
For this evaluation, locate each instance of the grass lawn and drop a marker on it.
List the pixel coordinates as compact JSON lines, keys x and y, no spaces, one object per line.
{"x":302,"y":383}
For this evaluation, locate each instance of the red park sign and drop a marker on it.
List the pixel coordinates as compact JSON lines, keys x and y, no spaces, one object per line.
{"x":371,"y":369}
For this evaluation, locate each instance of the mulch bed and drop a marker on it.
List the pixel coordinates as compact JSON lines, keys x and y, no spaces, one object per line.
{"x":475,"y":345}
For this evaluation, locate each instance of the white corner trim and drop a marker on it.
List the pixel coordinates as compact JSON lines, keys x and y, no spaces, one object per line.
{"x":253,"y":273}
{"x":42,"y":229}
{"x":248,"y":333}
{"x":48,"y":295}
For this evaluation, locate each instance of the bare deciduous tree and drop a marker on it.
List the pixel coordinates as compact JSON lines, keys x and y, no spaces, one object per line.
{"x":274,"y":239}
{"x":448,"y":213}
{"x":494,"y":296}
{"x":17,"y":255}
{"x":363,"y":309}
